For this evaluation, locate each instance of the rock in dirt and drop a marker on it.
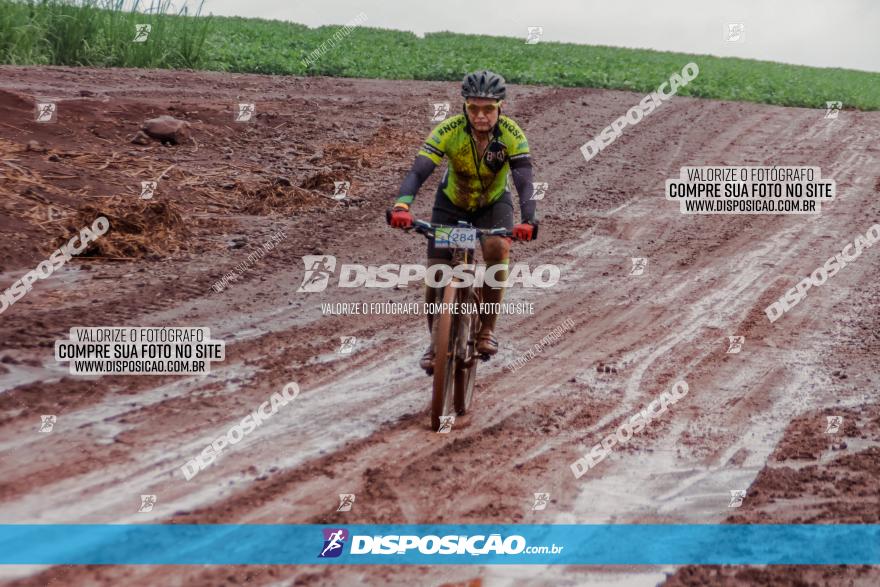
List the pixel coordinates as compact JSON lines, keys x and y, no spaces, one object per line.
{"x":141,"y":138}
{"x":166,"y":128}
{"x":36,"y":147}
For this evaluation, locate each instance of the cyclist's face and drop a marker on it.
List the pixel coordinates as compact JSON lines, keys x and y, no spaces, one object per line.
{"x":482,"y":112}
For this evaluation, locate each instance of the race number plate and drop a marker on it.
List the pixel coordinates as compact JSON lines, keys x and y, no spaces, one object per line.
{"x":455,"y":238}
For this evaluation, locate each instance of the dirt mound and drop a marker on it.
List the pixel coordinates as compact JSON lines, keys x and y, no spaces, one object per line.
{"x":84,"y":163}
{"x":13,"y":104}
{"x":263,"y":199}
{"x":138,"y":228}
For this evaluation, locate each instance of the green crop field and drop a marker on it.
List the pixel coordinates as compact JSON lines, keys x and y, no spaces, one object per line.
{"x":99,"y":33}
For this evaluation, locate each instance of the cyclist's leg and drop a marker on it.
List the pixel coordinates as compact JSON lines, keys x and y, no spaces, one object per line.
{"x":496,"y":253}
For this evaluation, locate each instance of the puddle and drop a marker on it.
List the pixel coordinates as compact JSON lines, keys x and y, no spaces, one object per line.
{"x":113,"y":405}
{"x":23,"y":374}
{"x":248,"y":334}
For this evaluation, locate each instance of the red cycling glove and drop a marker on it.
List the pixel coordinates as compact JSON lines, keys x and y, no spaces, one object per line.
{"x":525,"y":231}
{"x":401,"y":218}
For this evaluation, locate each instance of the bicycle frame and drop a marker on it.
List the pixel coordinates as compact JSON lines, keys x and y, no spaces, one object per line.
{"x":454,"y":336}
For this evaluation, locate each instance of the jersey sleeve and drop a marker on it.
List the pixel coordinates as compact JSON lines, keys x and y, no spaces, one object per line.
{"x":515,"y":139}
{"x":434,"y":147}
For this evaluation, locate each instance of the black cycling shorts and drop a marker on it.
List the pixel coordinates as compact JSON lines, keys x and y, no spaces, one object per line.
{"x":499,"y":214}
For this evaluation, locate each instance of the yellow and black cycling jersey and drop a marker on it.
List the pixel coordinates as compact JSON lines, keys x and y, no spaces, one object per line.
{"x":472,"y":182}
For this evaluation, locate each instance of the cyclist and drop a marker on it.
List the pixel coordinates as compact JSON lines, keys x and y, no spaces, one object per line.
{"x":483,"y":147}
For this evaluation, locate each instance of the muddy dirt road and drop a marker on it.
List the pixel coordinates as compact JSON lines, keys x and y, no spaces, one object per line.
{"x":755,"y":420}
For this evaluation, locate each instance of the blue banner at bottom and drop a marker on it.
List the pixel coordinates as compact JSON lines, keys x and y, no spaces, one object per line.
{"x":481,"y":544}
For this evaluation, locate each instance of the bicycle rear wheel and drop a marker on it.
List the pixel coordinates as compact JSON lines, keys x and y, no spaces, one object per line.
{"x":445,"y":337}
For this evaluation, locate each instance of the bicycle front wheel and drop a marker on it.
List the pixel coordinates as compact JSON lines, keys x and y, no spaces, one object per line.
{"x":466,"y":368}
{"x":445,"y":337}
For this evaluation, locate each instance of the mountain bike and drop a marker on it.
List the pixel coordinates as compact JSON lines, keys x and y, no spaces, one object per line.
{"x":455,"y":333}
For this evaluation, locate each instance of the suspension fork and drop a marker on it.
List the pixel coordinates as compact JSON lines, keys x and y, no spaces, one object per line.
{"x":467,"y":322}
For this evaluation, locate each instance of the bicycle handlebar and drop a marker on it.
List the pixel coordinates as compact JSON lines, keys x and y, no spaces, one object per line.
{"x":426,"y":228}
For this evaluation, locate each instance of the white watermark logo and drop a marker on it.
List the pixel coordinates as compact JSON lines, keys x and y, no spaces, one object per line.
{"x":131,"y":350}
{"x":736,"y":498}
{"x":141,"y":32}
{"x":340,"y":189}
{"x":750,"y":190}
{"x":639,"y":265}
{"x":44,"y":270}
{"x":538,"y":348}
{"x":332,"y":41}
{"x":53,"y":213}
{"x":832,"y":109}
{"x":735,"y":344}
{"x":446,"y":423}
{"x":539,"y":190}
{"x":822,"y":273}
{"x":46,"y":112}
{"x":534,"y":35}
{"x":833,"y":424}
{"x":433,"y":308}
{"x":441,"y":111}
{"x":632,"y":425}
{"x":347,"y":345}
{"x":148,"y":189}
{"x":251,"y":260}
{"x":635,"y":114}
{"x":476,"y":545}
{"x":541,"y":501}
{"x":346,"y":501}
{"x":47,"y":422}
{"x":238,"y":431}
{"x":245,"y":112}
{"x":735,"y":32}
{"x":147,"y":503}
{"x":320,"y":268}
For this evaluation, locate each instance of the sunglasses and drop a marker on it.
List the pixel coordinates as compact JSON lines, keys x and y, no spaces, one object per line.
{"x":475,"y":109}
